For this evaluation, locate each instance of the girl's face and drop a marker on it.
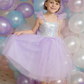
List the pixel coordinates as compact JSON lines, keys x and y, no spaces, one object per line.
{"x":52,"y":6}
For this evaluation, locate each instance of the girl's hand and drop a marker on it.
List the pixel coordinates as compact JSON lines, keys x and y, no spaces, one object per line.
{"x":19,"y":33}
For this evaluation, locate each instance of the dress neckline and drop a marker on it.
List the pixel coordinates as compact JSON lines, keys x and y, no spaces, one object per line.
{"x":50,"y":23}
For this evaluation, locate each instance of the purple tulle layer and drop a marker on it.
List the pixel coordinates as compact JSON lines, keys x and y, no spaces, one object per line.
{"x":42,"y":58}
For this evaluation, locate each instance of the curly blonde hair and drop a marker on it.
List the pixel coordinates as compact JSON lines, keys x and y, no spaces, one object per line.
{"x":59,"y":1}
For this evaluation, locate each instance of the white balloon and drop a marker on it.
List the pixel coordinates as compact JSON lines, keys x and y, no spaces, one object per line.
{"x":81,"y":37}
{"x":78,"y":58}
{"x":72,"y":43}
{"x":76,"y":23}
{"x":77,"y":77}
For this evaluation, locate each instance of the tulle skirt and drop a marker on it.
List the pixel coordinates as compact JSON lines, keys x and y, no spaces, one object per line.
{"x":38,"y":57}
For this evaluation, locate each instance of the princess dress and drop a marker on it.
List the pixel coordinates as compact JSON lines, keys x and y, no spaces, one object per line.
{"x":43,"y":56}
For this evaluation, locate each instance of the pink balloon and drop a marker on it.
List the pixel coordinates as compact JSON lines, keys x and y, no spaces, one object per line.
{"x":67,"y":32}
{"x":63,"y":25}
{"x":5,"y":68}
{"x":76,"y":5}
{"x":12,"y":31}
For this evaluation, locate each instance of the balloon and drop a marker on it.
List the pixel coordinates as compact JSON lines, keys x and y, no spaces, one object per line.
{"x":77,"y":77}
{"x":2,"y":39}
{"x":5,"y":25}
{"x":37,"y":82}
{"x":62,"y":9}
{"x":65,"y":1}
{"x":63,"y":25}
{"x":32,"y":1}
{"x":15,"y":18}
{"x":67,"y":32}
{"x":69,"y":13}
{"x":22,"y":0}
{"x":76,"y":5}
{"x":80,"y":69}
{"x":23,"y":27}
{"x":15,"y":4}
{"x":24,"y":80}
{"x":72,"y":43}
{"x":24,"y":21}
{"x":81,"y":37}
{"x":76,"y":23}
{"x":38,"y":5}
{"x":11,"y":32}
{"x":6,"y":12}
{"x":16,"y":74}
{"x":78,"y":58}
{"x":6,"y":4}
{"x":12,"y":67}
{"x":25,"y":9}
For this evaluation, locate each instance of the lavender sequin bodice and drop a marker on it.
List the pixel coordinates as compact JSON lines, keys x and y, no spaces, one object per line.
{"x":48,"y":29}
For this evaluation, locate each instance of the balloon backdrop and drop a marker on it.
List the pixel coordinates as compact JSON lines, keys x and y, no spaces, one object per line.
{"x":2,"y":39}
{"x":78,"y":58}
{"x":10,"y":32}
{"x":15,"y":18}
{"x":24,"y":80}
{"x":76,"y":23}
{"x":25,"y":9}
{"x":15,"y":4}
{"x":22,"y":0}
{"x":12,"y":67}
{"x":62,"y":9}
{"x":81,"y":37}
{"x":76,"y":5}
{"x":67,"y":32}
{"x":16,"y":74}
{"x":77,"y":77}
{"x":5,"y":25}
{"x":32,"y":1}
{"x":6,"y":4}
{"x":73,"y":43}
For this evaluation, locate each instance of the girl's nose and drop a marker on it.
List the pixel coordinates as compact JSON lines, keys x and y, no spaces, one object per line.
{"x":53,"y":4}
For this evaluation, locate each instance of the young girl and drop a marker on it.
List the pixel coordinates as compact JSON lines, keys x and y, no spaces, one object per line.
{"x":40,"y":53}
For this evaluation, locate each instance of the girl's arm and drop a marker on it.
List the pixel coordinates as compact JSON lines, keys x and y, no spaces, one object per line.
{"x":32,"y":31}
{"x":60,"y":22}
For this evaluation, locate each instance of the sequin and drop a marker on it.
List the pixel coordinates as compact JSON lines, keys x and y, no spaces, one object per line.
{"x":48,"y":29}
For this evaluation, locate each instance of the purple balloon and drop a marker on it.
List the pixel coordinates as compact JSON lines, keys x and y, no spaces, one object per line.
{"x":24,"y":80}
{"x":5,"y":25}
{"x":32,"y":1}
{"x":6,"y":4}
{"x":25,"y":9}
{"x":37,"y":82}
{"x":65,"y":1}
{"x":62,"y":9}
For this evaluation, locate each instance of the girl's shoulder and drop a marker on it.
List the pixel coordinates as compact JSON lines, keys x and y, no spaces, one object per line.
{"x":60,"y":16}
{"x":39,"y":14}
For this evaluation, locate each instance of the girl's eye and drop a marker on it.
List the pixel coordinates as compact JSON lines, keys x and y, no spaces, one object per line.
{"x":51,"y":2}
{"x":57,"y":4}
